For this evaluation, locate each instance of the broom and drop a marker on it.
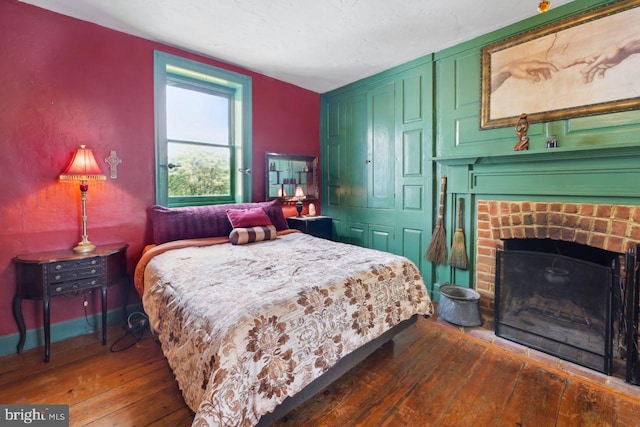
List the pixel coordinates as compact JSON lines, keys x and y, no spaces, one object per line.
{"x":437,"y":250}
{"x":458,"y":254}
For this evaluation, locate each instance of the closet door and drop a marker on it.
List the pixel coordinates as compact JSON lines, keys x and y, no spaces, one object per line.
{"x":355,"y":166}
{"x":333,"y":180}
{"x":379,"y":161}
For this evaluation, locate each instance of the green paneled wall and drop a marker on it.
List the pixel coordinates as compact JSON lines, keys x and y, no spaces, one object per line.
{"x":377,"y":173}
{"x":434,"y":112}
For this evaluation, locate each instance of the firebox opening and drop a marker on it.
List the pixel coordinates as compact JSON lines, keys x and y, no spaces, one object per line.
{"x":560,"y":247}
{"x":556,"y":296}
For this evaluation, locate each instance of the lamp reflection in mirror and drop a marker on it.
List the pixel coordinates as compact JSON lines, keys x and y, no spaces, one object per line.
{"x":84,"y":168}
{"x":299,"y":195}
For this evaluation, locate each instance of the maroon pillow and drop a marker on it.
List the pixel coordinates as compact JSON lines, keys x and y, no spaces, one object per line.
{"x":244,"y":218}
{"x":274,"y":211}
{"x":193,"y":222}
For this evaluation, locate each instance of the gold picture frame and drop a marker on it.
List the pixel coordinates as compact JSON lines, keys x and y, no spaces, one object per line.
{"x":583,"y":65}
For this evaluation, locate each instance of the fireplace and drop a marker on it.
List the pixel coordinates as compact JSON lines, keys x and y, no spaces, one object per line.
{"x":502,"y":226}
{"x":556,"y":297}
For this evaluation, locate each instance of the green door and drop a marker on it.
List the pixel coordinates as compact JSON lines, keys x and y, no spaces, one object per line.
{"x":380,"y":147}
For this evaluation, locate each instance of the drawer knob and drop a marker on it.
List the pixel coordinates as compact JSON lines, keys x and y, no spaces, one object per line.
{"x":58,"y":266}
{"x":93,"y":282}
{"x":93,"y":261}
{"x":59,"y":289}
{"x":58,"y":277}
{"x":93,"y":271}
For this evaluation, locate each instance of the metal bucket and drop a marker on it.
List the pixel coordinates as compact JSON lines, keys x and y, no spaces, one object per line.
{"x":459,"y":305}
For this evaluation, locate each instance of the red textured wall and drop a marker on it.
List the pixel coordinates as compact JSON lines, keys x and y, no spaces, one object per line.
{"x":66,"y":82}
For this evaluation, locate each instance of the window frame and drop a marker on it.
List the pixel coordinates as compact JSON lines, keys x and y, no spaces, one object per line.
{"x":239,"y":86}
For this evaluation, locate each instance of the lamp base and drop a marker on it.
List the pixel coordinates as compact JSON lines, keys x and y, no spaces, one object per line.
{"x":84,"y":247}
{"x":299,"y":208}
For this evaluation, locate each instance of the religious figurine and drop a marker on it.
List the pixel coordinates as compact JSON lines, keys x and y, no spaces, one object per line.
{"x":521,"y":130}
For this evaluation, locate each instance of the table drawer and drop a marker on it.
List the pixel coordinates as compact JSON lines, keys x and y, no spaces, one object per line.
{"x":76,"y":285}
{"x":74,"y":264}
{"x":80,"y":273}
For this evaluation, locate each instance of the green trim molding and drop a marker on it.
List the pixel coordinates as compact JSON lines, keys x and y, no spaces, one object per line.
{"x":68,"y":329}
{"x":242,"y":88}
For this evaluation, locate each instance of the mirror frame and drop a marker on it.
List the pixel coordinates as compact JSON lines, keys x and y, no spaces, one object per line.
{"x":311,"y":192}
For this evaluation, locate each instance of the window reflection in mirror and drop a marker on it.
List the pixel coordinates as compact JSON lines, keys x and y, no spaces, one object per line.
{"x":285,"y":173}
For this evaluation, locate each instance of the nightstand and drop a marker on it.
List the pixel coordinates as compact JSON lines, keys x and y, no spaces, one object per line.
{"x":44,"y":275}
{"x":319,"y":226}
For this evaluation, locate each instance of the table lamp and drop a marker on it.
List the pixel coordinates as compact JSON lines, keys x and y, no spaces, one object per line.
{"x":299,"y":195}
{"x":83,"y":168}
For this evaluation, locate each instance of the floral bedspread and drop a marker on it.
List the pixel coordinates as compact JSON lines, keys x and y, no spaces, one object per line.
{"x":243,"y":327}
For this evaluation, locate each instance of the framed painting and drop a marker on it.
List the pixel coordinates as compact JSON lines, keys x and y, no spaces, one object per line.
{"x":584,"y":65}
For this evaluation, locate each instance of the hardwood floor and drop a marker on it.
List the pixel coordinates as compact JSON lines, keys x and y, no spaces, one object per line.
{"x":430,"y":375}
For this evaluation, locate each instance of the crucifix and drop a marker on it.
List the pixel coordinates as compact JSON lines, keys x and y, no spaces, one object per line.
{"x":113,"y":160}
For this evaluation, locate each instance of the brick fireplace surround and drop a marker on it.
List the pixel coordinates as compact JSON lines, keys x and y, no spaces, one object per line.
{"x":606,"y":226}
{"x":610,"y":227}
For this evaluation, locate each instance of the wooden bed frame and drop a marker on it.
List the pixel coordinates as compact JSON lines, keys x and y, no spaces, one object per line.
{"x":343,"y":366}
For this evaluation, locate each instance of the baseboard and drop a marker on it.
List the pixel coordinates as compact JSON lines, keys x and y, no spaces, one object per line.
{"x":63,"y":330}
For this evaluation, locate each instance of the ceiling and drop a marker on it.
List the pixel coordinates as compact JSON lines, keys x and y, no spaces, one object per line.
{"x":319,"y":45}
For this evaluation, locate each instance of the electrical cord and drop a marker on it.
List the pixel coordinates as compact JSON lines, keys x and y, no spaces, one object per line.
{"x":138,"y":329}
{"x":85,"y":303}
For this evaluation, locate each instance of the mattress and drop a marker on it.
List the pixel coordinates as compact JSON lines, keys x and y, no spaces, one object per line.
{"x":245,"y":326}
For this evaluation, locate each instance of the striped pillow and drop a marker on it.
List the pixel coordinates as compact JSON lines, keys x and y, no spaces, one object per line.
{"x":240,"y":236}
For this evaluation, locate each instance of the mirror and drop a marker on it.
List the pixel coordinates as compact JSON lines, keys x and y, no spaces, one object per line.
{"x":287,"y":174}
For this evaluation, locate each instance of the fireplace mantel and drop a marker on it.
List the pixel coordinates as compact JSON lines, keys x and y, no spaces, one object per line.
{"x":585,"y":152}
{"x":563,"y":173}
{"x":550,"y":184}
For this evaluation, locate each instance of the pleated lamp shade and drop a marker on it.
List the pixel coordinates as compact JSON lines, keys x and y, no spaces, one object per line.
{"x":83,"y":167}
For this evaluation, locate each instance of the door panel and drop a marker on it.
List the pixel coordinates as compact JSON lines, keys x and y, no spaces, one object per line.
{"x":356,"y":151}
{"x":380,"y":155}
{"x":358,"y":234}
{"x":381,"y":238}
{"x":412,"y":246}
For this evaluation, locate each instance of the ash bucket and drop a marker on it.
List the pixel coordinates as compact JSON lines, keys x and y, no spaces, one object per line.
{"x":459,"y":305}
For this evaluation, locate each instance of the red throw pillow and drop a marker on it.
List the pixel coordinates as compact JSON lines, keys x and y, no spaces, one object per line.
{"x":244,"y":218}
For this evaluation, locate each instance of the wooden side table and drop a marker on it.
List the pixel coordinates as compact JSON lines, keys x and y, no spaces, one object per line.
{"x":44,"y":275}
{"x":319,"y":226}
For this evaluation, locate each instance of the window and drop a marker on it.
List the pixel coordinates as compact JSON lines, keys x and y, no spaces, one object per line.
{"x":200,"y":154}
{"x":203,"y":133}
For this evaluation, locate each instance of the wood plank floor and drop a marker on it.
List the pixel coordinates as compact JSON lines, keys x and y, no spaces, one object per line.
{"x":430,"y":375}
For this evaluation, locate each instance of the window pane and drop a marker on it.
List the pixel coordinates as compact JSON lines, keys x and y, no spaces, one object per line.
{"x":197,"y":116}
{"x":203,"y":170}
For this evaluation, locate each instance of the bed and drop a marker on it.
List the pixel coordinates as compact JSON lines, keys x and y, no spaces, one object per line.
{"x":251,"y":330}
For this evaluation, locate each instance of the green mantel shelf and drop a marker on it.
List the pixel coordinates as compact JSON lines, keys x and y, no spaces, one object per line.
{"x":547,"y":154}
{"x":584,"y":171}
